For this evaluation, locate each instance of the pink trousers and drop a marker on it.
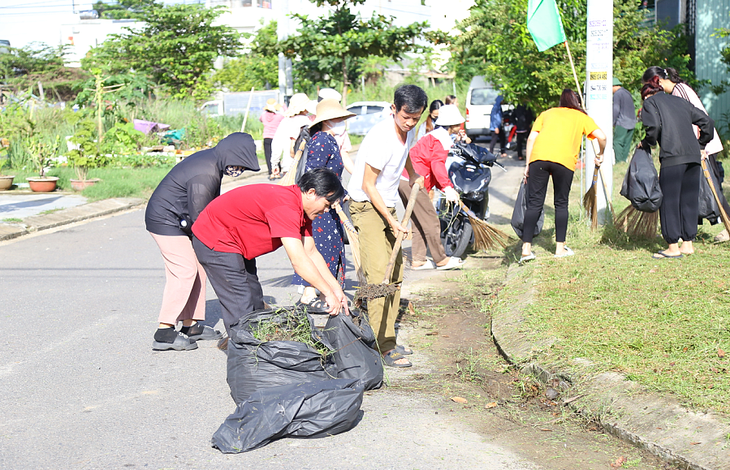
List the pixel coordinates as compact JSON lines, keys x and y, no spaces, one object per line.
{"x":184,"y":295}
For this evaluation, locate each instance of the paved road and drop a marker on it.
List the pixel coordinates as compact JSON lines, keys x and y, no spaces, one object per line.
{"x":82,"y":388}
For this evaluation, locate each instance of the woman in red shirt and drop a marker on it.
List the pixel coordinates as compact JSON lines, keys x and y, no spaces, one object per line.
{"x":429,"y":160}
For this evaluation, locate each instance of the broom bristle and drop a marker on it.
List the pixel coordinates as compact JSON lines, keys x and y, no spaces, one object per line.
{"x":637,"y":223}
{"x":487,"y":237}
{"x":589,"y":204}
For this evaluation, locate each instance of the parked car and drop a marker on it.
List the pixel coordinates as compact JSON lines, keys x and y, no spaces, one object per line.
{"x":367,"y":114}
{"x":479,"y":100}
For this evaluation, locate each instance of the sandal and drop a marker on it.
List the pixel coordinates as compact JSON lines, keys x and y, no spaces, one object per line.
{"x":403,"y":350}
{"x":664,"y":255}
{"x":392,"y":356}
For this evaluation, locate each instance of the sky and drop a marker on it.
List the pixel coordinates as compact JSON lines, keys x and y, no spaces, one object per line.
{"x":25,"y":21}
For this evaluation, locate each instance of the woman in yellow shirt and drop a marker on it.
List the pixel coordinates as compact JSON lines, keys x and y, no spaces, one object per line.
{"x":552,"y":151}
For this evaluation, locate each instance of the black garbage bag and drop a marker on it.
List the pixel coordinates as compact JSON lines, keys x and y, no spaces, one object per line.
{"x":312,"y":409}
{"x":355,"y":353}
{"x":254,"y":365}
{"x":707,"y":203}
{"x":518,"y":213}
{"x":641,"y":183}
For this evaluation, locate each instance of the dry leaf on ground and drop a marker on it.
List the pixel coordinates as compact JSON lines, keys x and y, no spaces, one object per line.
{"x":459,"y":400}
{"x":490,"y":405}
{"x":619,"y":462}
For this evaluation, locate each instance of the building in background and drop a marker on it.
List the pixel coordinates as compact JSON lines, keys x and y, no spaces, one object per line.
{"x":702,"y":18}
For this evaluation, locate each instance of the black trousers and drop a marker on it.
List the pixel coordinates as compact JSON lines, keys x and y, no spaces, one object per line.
{"x":267,"y":153}
{"x":501,"y":137}
{"x":680,"y":210}
{"x":521,"y":141}
{"x":537,"y":183}
{"x":234,"y":280}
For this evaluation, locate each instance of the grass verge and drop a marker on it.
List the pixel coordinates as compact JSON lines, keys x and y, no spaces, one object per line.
{"x":662,"y":323}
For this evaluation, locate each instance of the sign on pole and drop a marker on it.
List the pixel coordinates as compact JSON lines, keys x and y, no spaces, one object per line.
{"x":599,"y":92}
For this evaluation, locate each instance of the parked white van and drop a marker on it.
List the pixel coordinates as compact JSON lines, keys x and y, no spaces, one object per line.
{"x":479,"y":100}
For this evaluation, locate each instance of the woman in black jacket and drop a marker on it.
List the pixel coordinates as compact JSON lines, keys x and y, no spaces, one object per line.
{"x":668,"y":121}
{"x":171,"y":211}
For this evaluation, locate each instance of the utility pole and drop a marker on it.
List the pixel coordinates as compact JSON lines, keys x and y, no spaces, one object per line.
{"x":599,"y":94}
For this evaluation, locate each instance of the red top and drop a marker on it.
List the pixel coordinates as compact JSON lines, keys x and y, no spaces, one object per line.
{"x":251,"y":220}
{"x":428,"y":157}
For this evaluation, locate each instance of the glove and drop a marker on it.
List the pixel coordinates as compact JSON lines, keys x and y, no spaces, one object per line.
{"x":451,"y":194}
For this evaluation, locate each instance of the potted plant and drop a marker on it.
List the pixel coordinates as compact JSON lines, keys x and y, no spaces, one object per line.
{"x":86,"y":156}
{"x":6,"y":181}
{"x":41,"y":155}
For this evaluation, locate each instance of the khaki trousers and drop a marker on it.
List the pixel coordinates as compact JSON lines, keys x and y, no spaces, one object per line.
{"x":184,"y":295}
{"x":426,"y":226}
{"x":376,"y":244}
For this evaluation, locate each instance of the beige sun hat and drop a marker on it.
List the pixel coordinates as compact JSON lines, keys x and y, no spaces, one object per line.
{"x":297,"y":103}
{"x":449,"y":115}
{"x":329,"y":93}
{"x":272,"y":105}
{"x":330,"y":109}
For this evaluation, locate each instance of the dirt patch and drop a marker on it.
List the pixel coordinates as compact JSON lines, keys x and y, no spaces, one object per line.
{"x":449,"y":322}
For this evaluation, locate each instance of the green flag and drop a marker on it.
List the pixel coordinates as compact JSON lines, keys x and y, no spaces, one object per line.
{"x":544,"y":23}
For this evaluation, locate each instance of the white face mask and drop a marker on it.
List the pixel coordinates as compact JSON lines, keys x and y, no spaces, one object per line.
{"x":338,"y":128}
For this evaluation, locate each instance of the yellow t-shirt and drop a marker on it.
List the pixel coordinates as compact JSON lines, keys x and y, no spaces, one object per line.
{"x":560,"y":133}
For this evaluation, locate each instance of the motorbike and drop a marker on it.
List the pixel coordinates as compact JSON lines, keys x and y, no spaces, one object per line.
{"x":469,"y":169}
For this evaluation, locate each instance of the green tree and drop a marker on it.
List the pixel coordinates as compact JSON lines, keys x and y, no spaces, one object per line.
{"x":123,"y":9}
{"x":176,"y":48}
{"x":336,"y":45}
{"x":25,"y":67}
{"x":258,"y":68}
{"x":495,"y":42}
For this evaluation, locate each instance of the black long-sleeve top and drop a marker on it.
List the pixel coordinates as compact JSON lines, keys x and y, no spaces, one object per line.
{"x":194,"y":182}
{"x":668,"y":121}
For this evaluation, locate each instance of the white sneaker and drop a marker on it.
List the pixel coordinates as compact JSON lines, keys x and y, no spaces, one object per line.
{"x":453,"y":263}
{"x":427,"y":265}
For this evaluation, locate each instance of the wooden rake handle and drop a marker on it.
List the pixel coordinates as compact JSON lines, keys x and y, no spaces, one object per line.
{"x":706,"y":171}
{"x":399,"y":237}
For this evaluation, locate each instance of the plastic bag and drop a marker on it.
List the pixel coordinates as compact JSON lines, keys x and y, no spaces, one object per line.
{"x":314,"y":409}
{"x":518,"y":214}
{"x":708,"y":208}
{"x":641,"y":183}
{"x":254,"y":365}
{"x":355,"y":355}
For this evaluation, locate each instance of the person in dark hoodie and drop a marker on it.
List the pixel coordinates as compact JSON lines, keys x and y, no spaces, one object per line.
{"x":171,"y":211}
{"x":668,"y":122}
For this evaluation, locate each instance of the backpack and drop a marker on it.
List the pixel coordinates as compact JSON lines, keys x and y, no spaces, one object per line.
{"x":305,"y":136}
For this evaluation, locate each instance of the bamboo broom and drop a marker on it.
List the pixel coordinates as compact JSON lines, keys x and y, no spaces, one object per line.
{"x":590,"y":201}
{"x":637,"y":223}
{"x":486,"y":237}
{"x":354,"y":242}
{"x":384,"y":289}
{"x":290,"y":176}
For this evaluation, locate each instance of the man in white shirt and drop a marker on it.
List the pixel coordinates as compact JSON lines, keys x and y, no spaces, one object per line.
{"x":373,"y":189}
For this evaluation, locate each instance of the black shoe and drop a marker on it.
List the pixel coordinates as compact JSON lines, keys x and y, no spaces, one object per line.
{"x":202,"y":332}
{"x":181,"y":343}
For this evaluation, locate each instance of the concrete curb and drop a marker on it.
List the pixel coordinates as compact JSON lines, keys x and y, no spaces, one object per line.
{"x":36,"y":223}
{"x":659,"y":424}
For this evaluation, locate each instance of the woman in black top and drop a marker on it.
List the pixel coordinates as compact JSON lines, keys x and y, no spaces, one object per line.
{"x":178,"y":200}
{"x":668,"y":121}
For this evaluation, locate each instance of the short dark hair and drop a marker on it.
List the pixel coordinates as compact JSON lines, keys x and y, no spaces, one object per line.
{"x":570,"y":99}
{"x":410,"y":97}
{"x":325,"y":183}
{"x":449,"y":99}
